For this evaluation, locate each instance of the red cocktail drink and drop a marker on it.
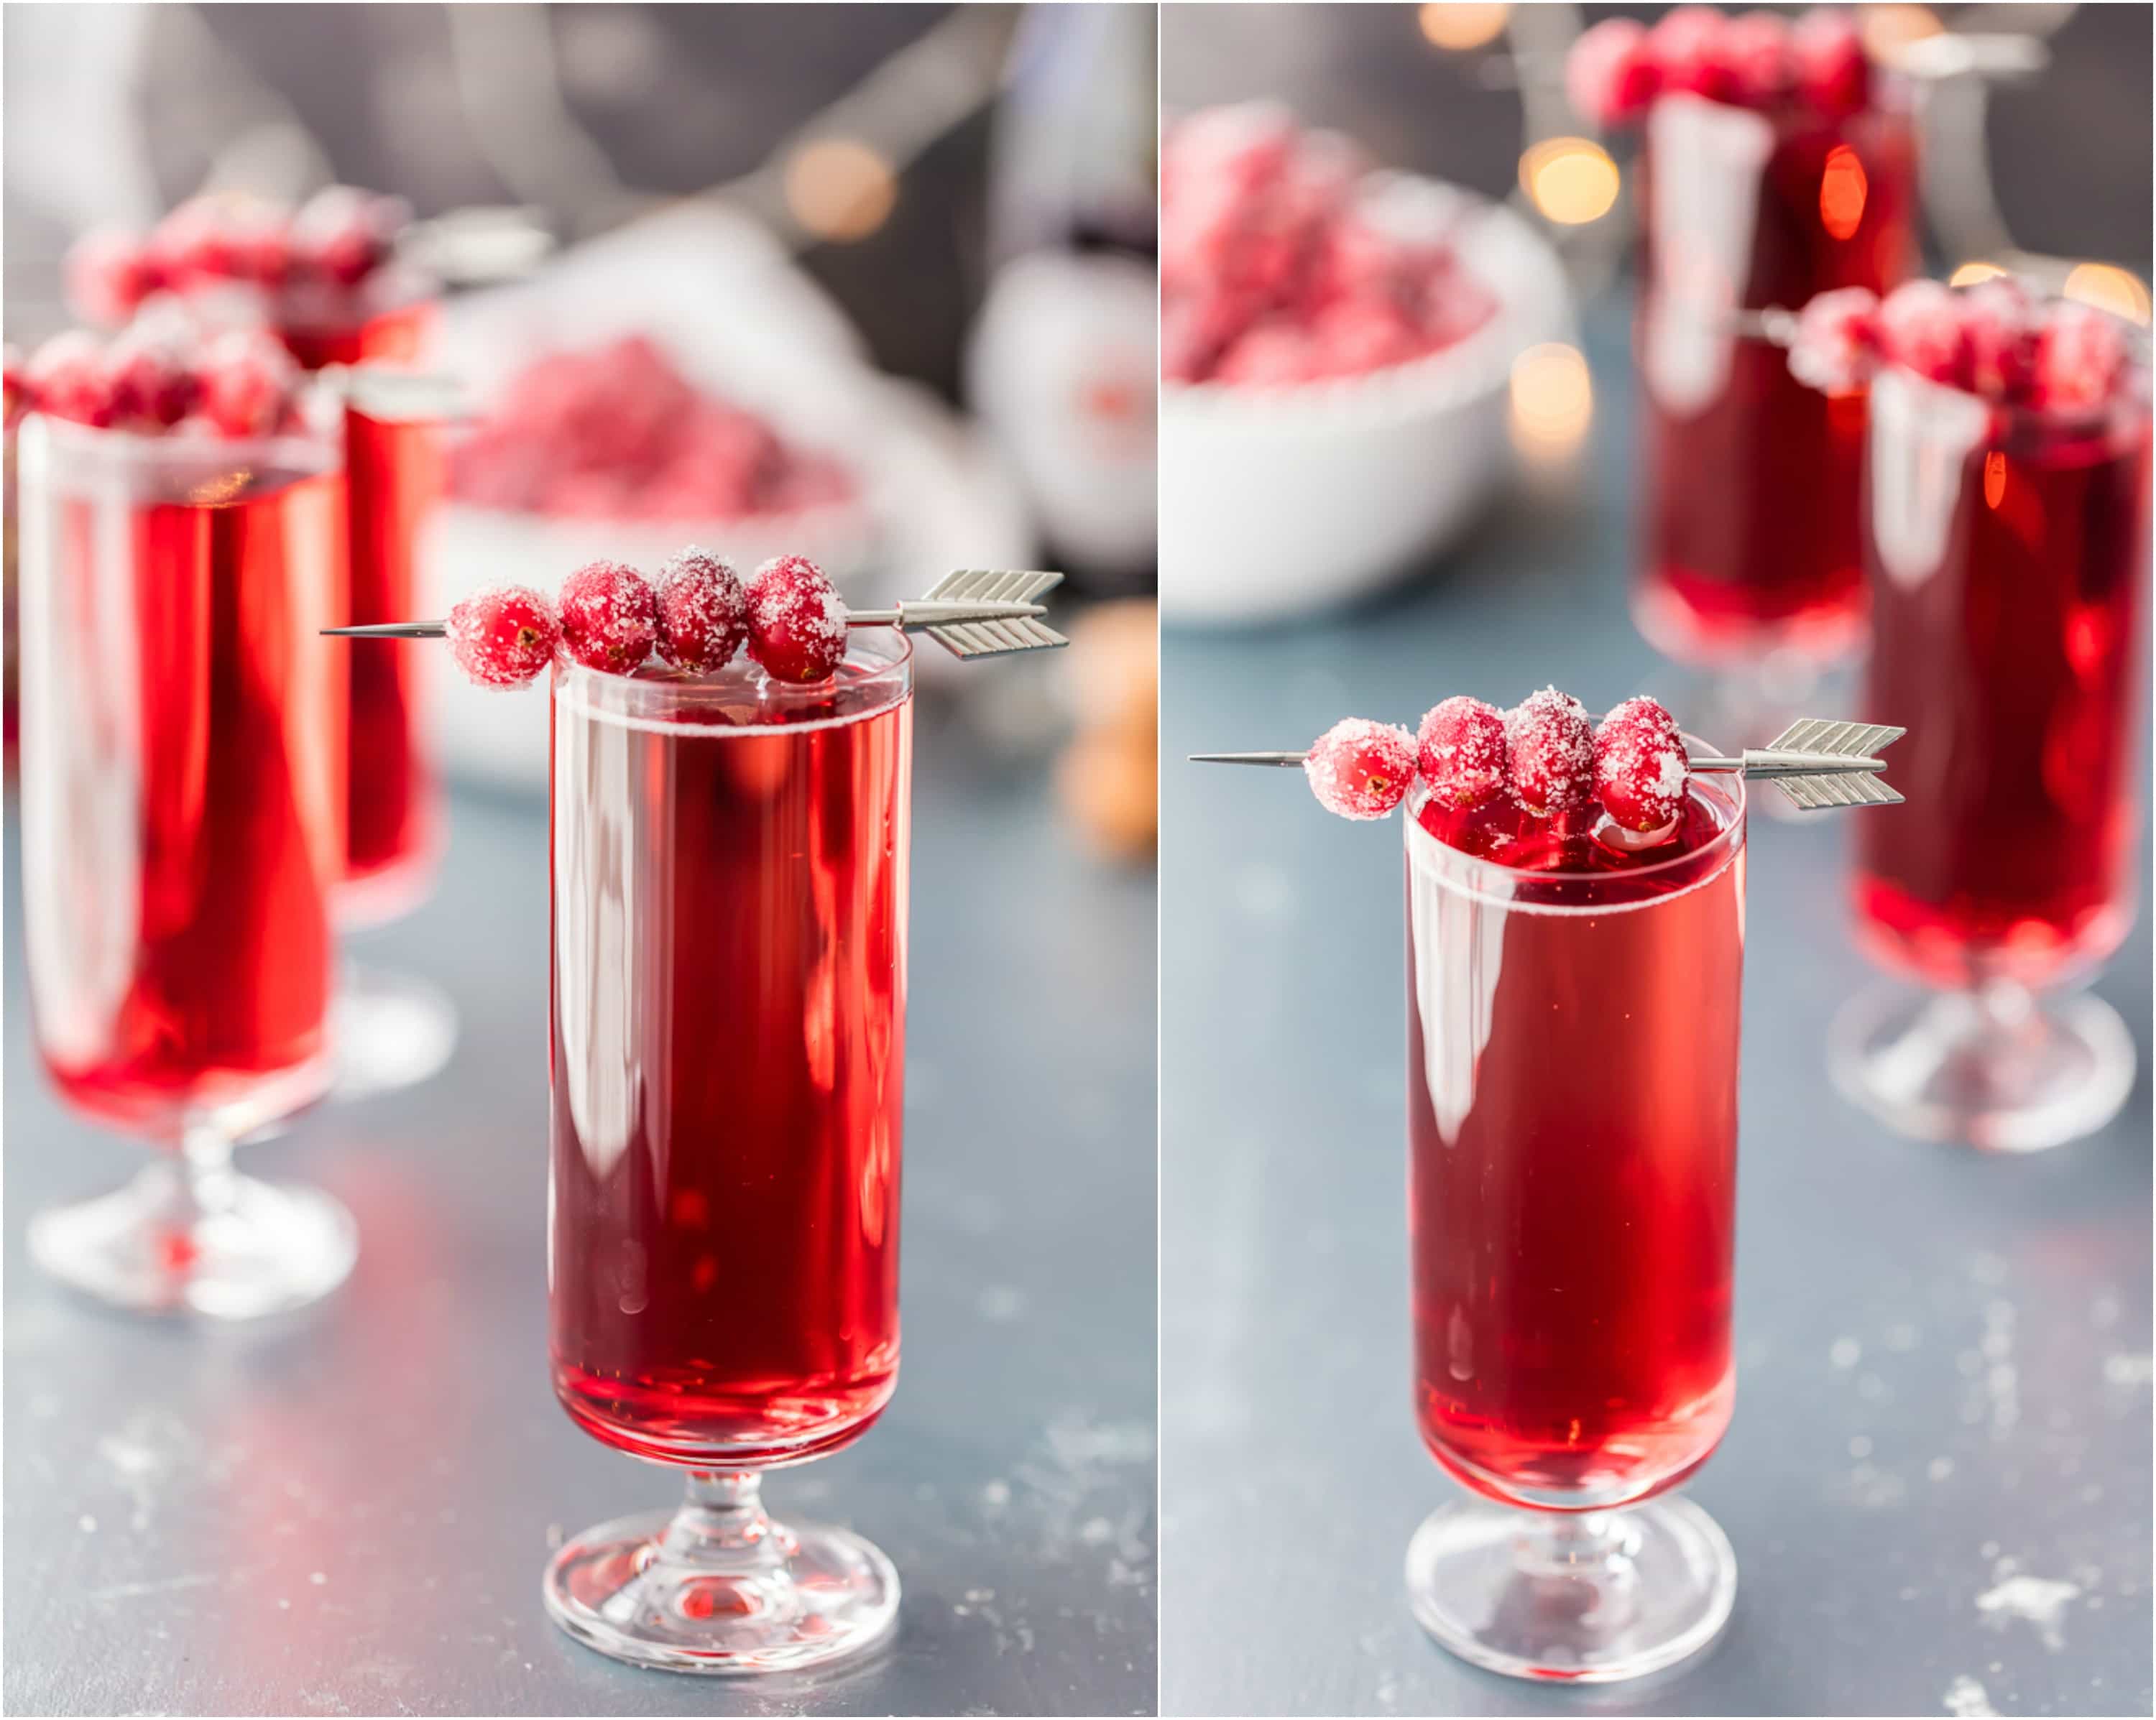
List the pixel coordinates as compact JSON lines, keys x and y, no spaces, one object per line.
{"x":1572,"y":1130}
{"x":2006,"y":550}
{"x":729,"y":988}
{"x":1751,"y":542}
{"x":183,"y":760}
{"x":394,"y":477}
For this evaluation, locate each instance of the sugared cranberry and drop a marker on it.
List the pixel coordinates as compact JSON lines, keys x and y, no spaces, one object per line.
{"x":1641,"y":767}
{"x":220,"y":236}
{"x":345,"y":234}
{"x":1460,"y":751}
{"x":1836,"y":339}
{"x":1688,"y":46}
{"x":1552,"y":745}
{"x":1755,"y":48}
{"x":1826,"y":58}
{"x":1999,"y":324}
{"x":67,"y":379}
{"x":1610,"y":73}
{"x":1360,"y":768}
{"x":248,"y":381}
{"x":2080,"y":354}
{"x":797,"y":625}
{"x":703,"y":611}
{"x":153,"y":377}
{"x":1920,"y":327}
{"x":609,"y":617}
{"x":108,"y":273}
{"x":504,"y":635}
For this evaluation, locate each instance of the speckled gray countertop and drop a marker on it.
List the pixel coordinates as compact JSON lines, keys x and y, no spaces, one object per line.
{"x":347,"y":1512}
{"x":1944,"y":1359}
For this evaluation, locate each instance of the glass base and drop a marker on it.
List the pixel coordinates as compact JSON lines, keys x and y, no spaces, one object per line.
{"x":1585,"y":1598}
{"x":392,"y":1031}
{"x":718,"y":1588}
{"x":152,"y":1246}
{"x":2000,"y":1068}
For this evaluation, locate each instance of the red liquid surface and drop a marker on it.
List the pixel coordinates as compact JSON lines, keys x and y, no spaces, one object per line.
{"x":728,"y":1061}
{"x":394,"y":473}
{"x":1572,"y":1138}
{"x":1751,"y":523}
{"x":2007,"y":649}
{"x":183,"y":960}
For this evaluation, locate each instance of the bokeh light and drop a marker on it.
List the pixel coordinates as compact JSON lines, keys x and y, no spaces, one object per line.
{"x":1887,"y":28}
{"x":1570,"y":180}
{"x":1460,"y":27}
{"x":1976,"y":269}
{"x":2109,"y":288}
{"x":1843,"y":188}
{"x":839,"y":188}
{"x":1553,"y":403}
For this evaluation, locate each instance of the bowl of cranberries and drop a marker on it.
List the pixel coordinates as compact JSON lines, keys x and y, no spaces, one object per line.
{"x":1336,"y":345}
{"x":614,"y":450}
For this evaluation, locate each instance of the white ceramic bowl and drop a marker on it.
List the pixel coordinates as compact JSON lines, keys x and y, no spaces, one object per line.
{"x":1278,"y":502}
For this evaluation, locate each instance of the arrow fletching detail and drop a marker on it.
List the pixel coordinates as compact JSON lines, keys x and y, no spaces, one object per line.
{"x":1819,"y":763}
{"x":999,"y":638}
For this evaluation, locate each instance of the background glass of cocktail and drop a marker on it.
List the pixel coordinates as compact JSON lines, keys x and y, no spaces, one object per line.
{"x":1749,"y":563}
{"x":729,"y":1016}
{"x":2007,"y":552}
{"x":1571,"y":1138}
{"x":183,"y":823}
{"x":392,"y":1029}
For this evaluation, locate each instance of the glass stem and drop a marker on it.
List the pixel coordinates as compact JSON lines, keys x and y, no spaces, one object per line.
{"x":721,"y":1525}
{"x":206,"y":1154}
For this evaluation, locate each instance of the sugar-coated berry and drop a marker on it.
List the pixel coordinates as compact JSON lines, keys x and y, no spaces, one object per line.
{"x":153,"y":377}
{"x":609,"y":617}
{"x":1640,"y":766}
{"x":1998,"y":322}
{"x":797,"y":625}
{"x":1827,"y":62}
{"x":504,"y":635}
{"x":1360,"y":768}
{"x":703,"y":611}
{"x":108,"y":273}
{"x":1836,"y":339}
{"x":1611,"y":73}
{"x":67,"y":379}
{"x":1920,"y":327}
{"x":1755,"y":48}
{"x":344,"y":234}
{"x":248,"y":381}
{"x":1552,"y":747}
{"x":1460,"y":751}
{"x":2081,"y":354}
{"x":1688,"y":46}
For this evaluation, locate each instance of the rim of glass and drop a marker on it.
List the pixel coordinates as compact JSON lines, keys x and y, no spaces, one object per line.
{"x":884,"y":654}
{"x":2129,"y":408}
{"x":313,"y":454}
{"x":1545,"y":892}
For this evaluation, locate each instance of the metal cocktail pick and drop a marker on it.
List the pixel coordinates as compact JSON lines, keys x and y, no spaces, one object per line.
{"x":976,"y":611}
{"x":1816,"y":761}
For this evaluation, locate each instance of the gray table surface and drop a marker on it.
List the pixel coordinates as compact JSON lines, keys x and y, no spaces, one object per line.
{"x":1944,"y":1359}
{"x":347,"y":1512}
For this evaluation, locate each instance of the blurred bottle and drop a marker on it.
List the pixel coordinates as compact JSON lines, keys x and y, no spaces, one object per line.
{"x":1063,"y":360}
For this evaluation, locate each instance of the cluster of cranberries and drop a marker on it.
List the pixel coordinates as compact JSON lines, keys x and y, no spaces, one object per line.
{"x":1618,"y":68}
{"x":1281,"y":263}
{"x":1991,"y":339}
{"x":158,"y":378}
{"x":699,"y":614}
{"x":330,"y":243}
{"x":618,"y":432}
{"x":1545,"y":752}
